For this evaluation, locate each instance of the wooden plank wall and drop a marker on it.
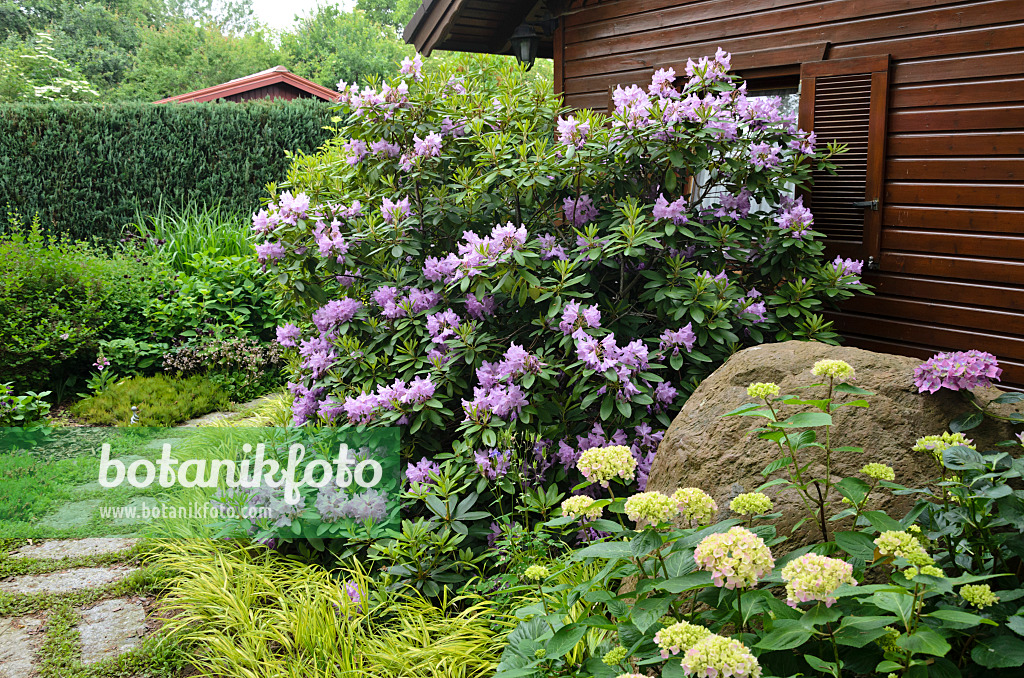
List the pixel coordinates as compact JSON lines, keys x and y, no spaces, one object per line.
{"x":952,"y":252}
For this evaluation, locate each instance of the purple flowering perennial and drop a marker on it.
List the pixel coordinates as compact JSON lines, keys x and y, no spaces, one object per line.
{"x":959,"y":370}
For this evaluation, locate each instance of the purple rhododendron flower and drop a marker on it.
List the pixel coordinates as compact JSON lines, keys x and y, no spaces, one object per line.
{"x":394,"y":212}
{"x":479,"y":308}
{"x":676,"y":210}
{"x":288,"y":334}
{"x":580,"y":211}
{"x":427,"y":147}
{"x":572,"y":133}
{"x":420,"y":472}
{"x":270,"y":251}
{"x":385,"y":149}
{"x":335,"y":313}
{"x":575,"y":318}
{"x":794,"y":217}
{"x":844,"y":267}
{"x":412,"y":67}
{"x":673,"y":339}
{"x":956,"y":371}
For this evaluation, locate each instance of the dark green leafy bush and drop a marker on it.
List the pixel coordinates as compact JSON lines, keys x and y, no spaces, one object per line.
{"x":21,"y":410}
{"x":59,"y":298}
{"x":162,"y":401}
{"x":87,"y":169}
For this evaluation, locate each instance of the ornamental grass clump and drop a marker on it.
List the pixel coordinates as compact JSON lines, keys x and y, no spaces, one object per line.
{"x":536,"y":272}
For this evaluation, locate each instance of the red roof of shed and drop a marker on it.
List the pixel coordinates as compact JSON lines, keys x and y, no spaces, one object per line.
{"x":271,"y":76}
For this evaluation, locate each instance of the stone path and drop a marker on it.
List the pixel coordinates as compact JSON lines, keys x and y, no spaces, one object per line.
{"x":107,"y":628}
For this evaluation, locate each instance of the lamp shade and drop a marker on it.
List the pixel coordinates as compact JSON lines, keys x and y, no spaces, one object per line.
{"x":524,"y":44}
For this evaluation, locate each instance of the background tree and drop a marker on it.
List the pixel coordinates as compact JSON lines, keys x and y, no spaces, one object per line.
{"x":331,"y":45}
{"x":29,"y":71}
{"x":394,"y":13}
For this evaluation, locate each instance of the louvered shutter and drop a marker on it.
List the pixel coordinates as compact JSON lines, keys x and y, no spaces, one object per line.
{"x":845,"y":101}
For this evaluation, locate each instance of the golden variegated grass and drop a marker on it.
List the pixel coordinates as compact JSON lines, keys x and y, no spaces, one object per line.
{"x":252,"y":613}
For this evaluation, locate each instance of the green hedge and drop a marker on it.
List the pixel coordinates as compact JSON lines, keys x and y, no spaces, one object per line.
{"x":86,"y":168}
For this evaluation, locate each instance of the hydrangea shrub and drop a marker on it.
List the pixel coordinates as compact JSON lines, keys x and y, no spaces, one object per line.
{"x":469,"y":260}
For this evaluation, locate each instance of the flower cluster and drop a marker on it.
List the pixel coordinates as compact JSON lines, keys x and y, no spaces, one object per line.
{"x":476,"y":254}
{"x":626,"y":361}
{"x":751,"y":504}
{"x":420,"y":472}
{"x":737,"y":558}
{"x":763,"y":390}
{"x":652,"y":507}
{"x":334,"y":504}
{"x":572,"y":132}
{"x":603,"y":464}
{"x":365,"y":407}
{"x":695,"y":505}
{"x":879,"y":471}
{"x":978,"y":595}
{"x":493,"y":464}
{"x":814,"y":577}
{"x":581,"y":506}
{"x":679,"y":637}
{"x":908,"y":547}
{"x":717,"y":655}
{"x":575,"y":318}
{"x":833,"y":369}
{"x":536,"y":573}
{"x":936,"y":445}
{"x":498,"y":394}
{"x":673,"y":339}
{"x":959,"y":370}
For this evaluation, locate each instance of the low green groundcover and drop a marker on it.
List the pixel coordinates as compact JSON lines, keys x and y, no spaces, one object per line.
{"x":161,"y":401}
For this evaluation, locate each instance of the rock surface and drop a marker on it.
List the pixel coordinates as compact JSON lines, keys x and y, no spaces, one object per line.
{"x":721,"y":456}
{"x":65,"y":580}
{"x":55,"y":549}
{"x":110,"y":628}
{"x":19,"y":639}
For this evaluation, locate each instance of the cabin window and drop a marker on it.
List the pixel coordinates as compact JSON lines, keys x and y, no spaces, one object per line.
{"x":844,"y":101}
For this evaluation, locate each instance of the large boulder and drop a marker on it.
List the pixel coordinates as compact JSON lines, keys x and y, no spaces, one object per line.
{"x":720,"y":455}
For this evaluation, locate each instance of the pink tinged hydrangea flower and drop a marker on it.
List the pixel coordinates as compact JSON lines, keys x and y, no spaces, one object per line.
{"x":673,"y":339}
{"x":676,"y":210}
{"x":958,"y":370}
{"x":335,"y":313}
{"x":288,"y":334}
{"x":603,"y":464}
{"x":420,"y":472}
{"x":814,"y":577}
{"x":412,"y":67}
{"x":679,"y":637}
{"x":716,"y":656}
{"x":580,"y":211}
{"x":394,"y":212}
{"x":737,"y":558}
{"x":572,"y":133}
{"x":270,"y":251}
{"x":427,"y":147}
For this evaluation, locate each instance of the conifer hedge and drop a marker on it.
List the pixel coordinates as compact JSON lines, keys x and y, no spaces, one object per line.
{"x":86,"y":168}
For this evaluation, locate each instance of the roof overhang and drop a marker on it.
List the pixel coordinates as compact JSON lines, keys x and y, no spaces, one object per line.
{"x":483,"y":26}
{"x":271,"y":76}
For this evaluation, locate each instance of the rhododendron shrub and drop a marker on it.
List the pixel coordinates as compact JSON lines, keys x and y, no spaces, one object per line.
{"x":470,"y":261}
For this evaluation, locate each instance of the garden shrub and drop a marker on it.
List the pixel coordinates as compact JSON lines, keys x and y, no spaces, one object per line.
{"x":22,"y":410}
{"x":161,"y":401}
{"x":87,"y":169}
{"x":59,"y":298}
{"x":472,"y":265}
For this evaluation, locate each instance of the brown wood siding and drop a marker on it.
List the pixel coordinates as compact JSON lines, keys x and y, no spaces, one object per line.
{"x":951,"y":258}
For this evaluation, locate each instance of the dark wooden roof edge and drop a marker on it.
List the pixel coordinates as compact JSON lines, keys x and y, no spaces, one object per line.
{"x":271,"y":76}
{"x":432,"y":25}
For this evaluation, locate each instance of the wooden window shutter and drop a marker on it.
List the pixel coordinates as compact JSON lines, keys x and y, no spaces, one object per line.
{"x":845,"y":101}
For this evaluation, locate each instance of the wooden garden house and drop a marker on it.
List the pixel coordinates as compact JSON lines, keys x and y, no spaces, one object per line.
{"x":929,"y":94}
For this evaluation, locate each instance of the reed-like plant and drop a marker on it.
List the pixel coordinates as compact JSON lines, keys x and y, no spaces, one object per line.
{"x":177,"y":234}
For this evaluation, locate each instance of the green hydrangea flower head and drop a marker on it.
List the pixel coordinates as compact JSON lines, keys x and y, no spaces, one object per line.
{"x":879,"y":471}
{"x":814,"y":577}
{"x":736,"y":559}
{"x":581,"y":505}
{"x":615,"y":656}
{"x":763,"y":390}
{"x":537,"y":573}
{"x":653,"y":507}
{"x":936,"y":445}
{"x":978,"y":595}
{"x":903,"y":545}
{"x":834,"y":369}
{"x":602,"y":464}
{"x":720,"y":656}
{"x":679,"y":637}
{"x":751,"y":504}
{"x":695,"y":504}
